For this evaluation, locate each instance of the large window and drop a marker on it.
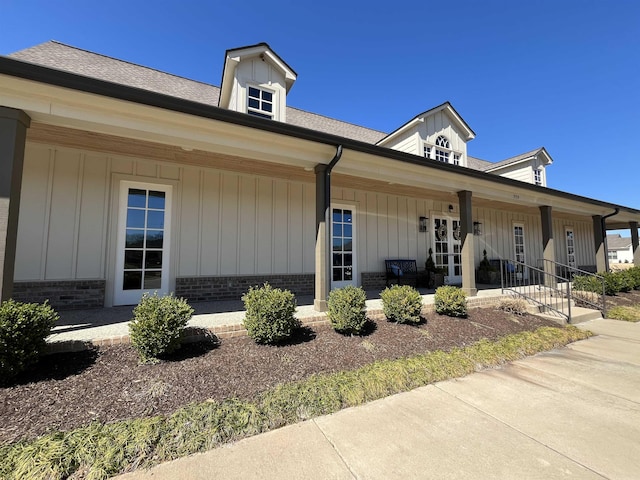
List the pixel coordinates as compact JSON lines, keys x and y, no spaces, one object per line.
{"x":259,"y":102}
{"x":442,"y":149}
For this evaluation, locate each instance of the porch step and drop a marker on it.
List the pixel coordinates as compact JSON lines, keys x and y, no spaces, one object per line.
{"x":581,"y":314}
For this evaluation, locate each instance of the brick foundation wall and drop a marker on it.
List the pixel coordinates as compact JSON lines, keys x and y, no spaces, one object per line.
{"x":62,"y":294}
{"x":203,"y":289}
{"x":374,"y":280}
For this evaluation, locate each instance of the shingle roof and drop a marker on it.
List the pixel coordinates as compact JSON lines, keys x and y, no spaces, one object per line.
{"x":64,"y":57}
{"x":57,"y":55}
{"x":618,"y":242}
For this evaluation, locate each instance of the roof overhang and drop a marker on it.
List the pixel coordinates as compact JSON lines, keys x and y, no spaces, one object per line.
{"x":460,"y":124}
{"x":52,"y":97}
{"x":233,"y":58}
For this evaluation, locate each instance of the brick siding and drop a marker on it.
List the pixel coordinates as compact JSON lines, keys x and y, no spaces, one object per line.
{"x":62,"y":294}
{"x":203,"y":289}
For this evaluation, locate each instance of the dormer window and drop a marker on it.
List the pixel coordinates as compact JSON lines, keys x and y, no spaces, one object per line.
{"x":442,"y":149}
{"x":260,"y":102}
{"x":456,"y":159}
{"x":537,"y":176}
{"x":427,"y":151}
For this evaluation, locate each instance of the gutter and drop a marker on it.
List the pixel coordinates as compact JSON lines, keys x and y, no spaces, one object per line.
{"x":63,"y":79}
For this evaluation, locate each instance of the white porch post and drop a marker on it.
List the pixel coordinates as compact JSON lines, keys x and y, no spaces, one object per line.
{"x":13,"y":134}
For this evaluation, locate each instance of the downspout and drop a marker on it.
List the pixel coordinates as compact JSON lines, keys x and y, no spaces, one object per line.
{"x":327,"y":214}
{"x":604,"y":234}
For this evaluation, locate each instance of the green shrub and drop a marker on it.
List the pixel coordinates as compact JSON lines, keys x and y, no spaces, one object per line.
{"x":270,"y":314}
{"x":23,"y":330}
{"x":401,"y":304}
{"x":627,"y":282}
{"x":451,"y":301}
{"x":157,"y":325}
{"x":516,"y":306}
{"x":613,"y":282}
{"x":634,"y":273}
{"x":347,"y":309}
{"x":587,"y":283}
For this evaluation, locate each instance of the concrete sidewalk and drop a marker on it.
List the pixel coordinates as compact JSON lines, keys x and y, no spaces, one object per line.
{"x":569,"y":413}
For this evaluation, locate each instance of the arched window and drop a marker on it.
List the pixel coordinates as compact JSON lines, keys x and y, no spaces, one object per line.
{"x":442,"y":149}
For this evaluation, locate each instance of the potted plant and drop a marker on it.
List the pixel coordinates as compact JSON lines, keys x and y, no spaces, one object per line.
{"x":434,"y":274}
{"x":486,"y":273}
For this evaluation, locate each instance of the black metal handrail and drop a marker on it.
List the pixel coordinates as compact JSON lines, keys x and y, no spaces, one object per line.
{"x":568,"y":272}
{"x":551,"y":292}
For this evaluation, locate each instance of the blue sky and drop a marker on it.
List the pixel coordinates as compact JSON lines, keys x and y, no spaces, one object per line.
{"x":556,"y":73}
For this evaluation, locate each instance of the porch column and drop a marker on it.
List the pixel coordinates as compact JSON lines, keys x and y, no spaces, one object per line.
{"x":634,"y":243}
{"x":600,"y":247}
{"x":13,"y":133}
{"x":466,"y":241}
{"x":322,"y":280}
{"x":549,"y":249}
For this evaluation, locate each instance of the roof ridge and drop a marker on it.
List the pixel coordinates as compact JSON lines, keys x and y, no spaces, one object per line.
{"x":123,"y":61}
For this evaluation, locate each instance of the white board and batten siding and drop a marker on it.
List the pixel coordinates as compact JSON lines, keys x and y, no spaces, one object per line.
{"x":438,"y":124}
{"x":223,"y":223}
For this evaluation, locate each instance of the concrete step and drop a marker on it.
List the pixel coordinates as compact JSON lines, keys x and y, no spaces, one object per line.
{"x":581,"y":314}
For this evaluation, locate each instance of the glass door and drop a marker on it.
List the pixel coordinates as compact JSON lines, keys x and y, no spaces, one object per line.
{"x":519,"y":250}
{"x":448,"y":248}
{"x":571,"y":248}
{"x":343,"y":264}
{"x":143,"y":246}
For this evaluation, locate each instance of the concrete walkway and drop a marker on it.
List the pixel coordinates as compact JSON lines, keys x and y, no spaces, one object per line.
{"x":570,"y":413}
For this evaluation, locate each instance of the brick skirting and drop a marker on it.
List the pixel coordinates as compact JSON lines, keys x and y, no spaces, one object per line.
{"x":62,"y":294}
{"x":374,"y":280}
{"x":204,"y":289}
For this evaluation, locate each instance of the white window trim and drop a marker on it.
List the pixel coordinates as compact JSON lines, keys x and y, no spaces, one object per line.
{"x":566,"y":246}
{"x":539,"y":178}
{"x":121,"y":297}
{"x":524,"y":244}
{"x":354,"y":252}
{"x":273,"y":115}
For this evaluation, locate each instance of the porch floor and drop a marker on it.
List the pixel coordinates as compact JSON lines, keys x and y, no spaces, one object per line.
{"x":111,"y":325}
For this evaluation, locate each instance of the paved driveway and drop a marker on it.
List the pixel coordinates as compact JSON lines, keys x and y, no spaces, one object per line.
{"x":570,"y":413}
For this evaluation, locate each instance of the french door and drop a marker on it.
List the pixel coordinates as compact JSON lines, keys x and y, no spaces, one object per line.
{"x":447,"y":248}
{"x":571,"y":247}
{"x":343,"y":255}
{"x":144,"y":223}
{"x":519,"y":250}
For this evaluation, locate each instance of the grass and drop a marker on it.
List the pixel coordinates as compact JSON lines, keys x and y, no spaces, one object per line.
{"x":627,"y":313}
{"x":102,"y":450}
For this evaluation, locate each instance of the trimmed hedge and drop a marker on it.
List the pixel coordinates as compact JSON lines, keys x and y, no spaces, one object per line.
{"x":270,"y":315}
{"x":451,"y":301}
{"x":157,"y":325}
{"x":614,"y":282}
{"x":401,"y":304}
{"x":23,"y":330}
{"x":347,"y":309}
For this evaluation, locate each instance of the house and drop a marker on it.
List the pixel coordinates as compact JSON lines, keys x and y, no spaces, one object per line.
{"x":119,"y":179}
{"x":619,"y":249}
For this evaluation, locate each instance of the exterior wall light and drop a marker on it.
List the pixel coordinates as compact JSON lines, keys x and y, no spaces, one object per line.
{"x":477,"y":228}
{"x":422,"y":224}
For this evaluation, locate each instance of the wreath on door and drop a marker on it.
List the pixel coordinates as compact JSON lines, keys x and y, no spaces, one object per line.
{"x":441,"y":232}
{"x":456,"y":233}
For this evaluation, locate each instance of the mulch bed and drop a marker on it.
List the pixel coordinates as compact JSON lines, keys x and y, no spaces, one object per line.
{"x":70,"y":390}
{"x":624,"y":299}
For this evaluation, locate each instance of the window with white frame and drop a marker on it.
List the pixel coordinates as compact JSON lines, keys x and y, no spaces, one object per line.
{"x":537,"y":176}
{"x":612,"y":254}
{"x":427,"y":151}
{"x":456,"y":159}
{"x":259,"y":102}
{"x":442,"y":149}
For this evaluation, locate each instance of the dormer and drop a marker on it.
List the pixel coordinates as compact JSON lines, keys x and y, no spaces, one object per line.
{"x":255,"y":80}
{"x":438,"y":134}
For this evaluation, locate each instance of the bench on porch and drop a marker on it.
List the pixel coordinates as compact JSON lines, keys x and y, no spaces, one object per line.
{"x":402,"y":272}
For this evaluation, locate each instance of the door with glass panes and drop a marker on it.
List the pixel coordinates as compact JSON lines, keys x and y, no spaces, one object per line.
{"x":447,"y":248}
{"x":343,"y":255}
{"x":142,"y":258}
